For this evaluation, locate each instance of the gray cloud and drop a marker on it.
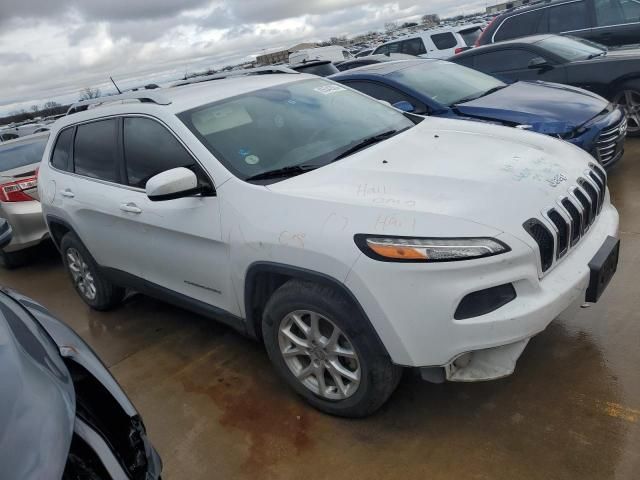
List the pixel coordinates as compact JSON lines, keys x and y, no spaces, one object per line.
{"x":53,"y":49}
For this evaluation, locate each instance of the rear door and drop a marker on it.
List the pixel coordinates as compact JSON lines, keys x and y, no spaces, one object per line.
{"x":183,"y":249}
{"x":93,"y":195}
{"x":571,"y":18}
{"x":617,"y":22}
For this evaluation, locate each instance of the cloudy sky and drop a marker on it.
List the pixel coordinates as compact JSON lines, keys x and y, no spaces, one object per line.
{"x":51,"y":49}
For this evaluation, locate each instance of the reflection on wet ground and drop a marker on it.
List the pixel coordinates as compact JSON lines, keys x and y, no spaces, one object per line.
{"x":215,"y":409}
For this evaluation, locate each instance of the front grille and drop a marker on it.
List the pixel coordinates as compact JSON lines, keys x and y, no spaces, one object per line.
{"x":609,"y":143}
{"x":563,"y":225}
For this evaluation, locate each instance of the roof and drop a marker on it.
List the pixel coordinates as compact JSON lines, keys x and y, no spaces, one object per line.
{"x":531,"y":6}
{"x":530,"y":40}
{"x":385,"y":68}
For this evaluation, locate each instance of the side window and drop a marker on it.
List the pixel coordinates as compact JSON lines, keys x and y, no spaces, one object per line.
{"x":519,"y":25}
{"x":615,"y":12}
{"x":414,"y":46}
{"x":94,"y":152}
{"x":149,"y":149}
{"x":504,"y":60}
{"x":382,"y":50}
{"x":9,"y":136}
{"x":568,"y":17}
{"x":443,"y":41}
{"x":388,"y":94}
{"x":61,"y":158}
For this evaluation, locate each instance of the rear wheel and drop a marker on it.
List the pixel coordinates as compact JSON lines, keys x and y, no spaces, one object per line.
{"x":320,"y":344}
{"x":628,"y":97}
{"x":88,"y":280}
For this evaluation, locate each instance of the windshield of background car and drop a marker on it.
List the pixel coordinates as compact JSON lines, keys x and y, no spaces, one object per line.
{"x":569,"y":48}
{"x":308,"y":122}
{"x":446,"y":83}
{"x":16,"y":155}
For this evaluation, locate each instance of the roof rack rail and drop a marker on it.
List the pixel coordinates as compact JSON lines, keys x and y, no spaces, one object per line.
{"x":237,"y":73}
{"x":143,"y":96}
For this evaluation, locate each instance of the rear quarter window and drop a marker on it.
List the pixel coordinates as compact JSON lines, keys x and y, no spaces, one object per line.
{"x":444,"y":41}
{"x":519,"y":25}
{"x":61,"y":157}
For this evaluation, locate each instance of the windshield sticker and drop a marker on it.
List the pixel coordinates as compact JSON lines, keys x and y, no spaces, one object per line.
{"x":252,"y":159}
{"x":330,"y":89}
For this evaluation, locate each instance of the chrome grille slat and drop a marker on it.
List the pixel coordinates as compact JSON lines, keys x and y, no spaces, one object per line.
{"x":608,"y":141}
{"x":569,"y":220}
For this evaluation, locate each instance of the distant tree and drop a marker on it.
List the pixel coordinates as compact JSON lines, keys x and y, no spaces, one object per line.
{"x":90,"y":93}
{"x":430,"y":19}
{"x":34,"y":108}
{"x":390,"y":26}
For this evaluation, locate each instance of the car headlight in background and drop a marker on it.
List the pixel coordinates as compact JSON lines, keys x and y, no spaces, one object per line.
{"x":407,"y":249}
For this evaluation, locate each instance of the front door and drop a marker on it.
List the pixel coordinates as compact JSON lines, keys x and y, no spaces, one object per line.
{"x":183,"y":250}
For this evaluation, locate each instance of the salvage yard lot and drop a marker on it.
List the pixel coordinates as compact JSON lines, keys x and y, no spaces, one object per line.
{"x":214,"y":407}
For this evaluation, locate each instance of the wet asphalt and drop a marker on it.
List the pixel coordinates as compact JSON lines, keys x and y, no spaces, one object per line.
{"x":214,"y":408}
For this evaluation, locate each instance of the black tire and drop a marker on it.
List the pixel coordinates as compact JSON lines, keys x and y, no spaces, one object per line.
{"x":11,"y":260}
{"x":379,"y":377}
{"x":633,"y":124}
{"x":107,"y":294}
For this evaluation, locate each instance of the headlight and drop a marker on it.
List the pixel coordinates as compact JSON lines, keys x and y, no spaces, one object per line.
{"x":407,"y":249}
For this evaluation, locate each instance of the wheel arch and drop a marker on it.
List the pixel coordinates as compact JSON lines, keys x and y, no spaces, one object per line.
{"x":264,"y":278}
{"x":614,"y":87}
{"x":58,"y":228}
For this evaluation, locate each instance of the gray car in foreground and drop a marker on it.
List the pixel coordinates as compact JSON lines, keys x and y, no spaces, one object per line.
{"x":62,"y":415}
{"x":19,"y":202}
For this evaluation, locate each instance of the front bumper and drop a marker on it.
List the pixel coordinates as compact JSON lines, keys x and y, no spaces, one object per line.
{"x":412,"y":306}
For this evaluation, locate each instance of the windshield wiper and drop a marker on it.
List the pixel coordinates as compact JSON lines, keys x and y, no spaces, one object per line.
{"x":483,"y":94}
{"x":594,"y":55}
{"x":367,"y":142}
{"x":290,"y":171}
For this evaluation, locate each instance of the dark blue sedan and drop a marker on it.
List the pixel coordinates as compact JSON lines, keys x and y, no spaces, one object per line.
{"x":444,"y":89}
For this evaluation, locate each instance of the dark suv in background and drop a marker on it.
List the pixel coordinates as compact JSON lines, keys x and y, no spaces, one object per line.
{"x":610,"y":22}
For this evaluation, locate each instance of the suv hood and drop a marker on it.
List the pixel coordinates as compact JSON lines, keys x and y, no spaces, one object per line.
{"x":487,"y":174}
{"x":37,"y":400}
{"x":562,"y":110}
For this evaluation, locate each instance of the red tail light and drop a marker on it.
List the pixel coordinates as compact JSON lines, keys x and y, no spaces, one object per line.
{"x":459,"y":50}
{"x":14,"y":191}
{"x":484,"y":32}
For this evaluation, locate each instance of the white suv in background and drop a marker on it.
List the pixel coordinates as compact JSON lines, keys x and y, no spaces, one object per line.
{"x":351,"y":238}
{"x":435,"y":43}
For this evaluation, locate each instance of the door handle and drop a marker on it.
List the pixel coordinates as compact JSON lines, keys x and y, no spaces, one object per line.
{"x":67,"y":193}
{"x":130,"y":208}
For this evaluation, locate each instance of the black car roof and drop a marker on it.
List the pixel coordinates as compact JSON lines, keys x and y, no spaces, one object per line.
{"x":531,"y":6}
{"x":530,"y":40}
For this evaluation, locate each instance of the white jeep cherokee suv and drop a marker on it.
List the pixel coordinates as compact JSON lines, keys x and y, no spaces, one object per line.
{"x":351,"y":238}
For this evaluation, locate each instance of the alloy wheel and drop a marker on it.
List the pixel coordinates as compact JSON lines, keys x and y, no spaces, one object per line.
{"x":81,"y":274}
{"x":629,"y":100}
{"x":319,"y":355}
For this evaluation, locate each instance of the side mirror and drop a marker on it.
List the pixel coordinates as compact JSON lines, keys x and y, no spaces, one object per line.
{"x":539,"y":62}
{"x":404,"y":106}
{"x":5,"y":233}
{"x":175,"y":183}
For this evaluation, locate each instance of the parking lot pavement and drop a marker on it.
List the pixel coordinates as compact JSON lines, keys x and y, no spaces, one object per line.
{"x":215,"y":409}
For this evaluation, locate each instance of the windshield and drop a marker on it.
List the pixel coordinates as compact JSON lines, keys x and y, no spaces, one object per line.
{"x":308,"y":122}
{"x":20,"y":154}
{"x":446,"y":83}
{"x":570,"y":48}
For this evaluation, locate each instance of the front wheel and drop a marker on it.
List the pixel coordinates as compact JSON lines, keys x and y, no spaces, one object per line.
{"x":628,"y":97}
{"x":320,"y":344}
{"x":88,"y":280}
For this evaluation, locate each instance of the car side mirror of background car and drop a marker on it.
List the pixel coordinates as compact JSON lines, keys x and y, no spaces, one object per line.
{"x":171,"y":184}
{"x":405,"y":106}
{"x":5,"y":233}
{"x":540,"y":63}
